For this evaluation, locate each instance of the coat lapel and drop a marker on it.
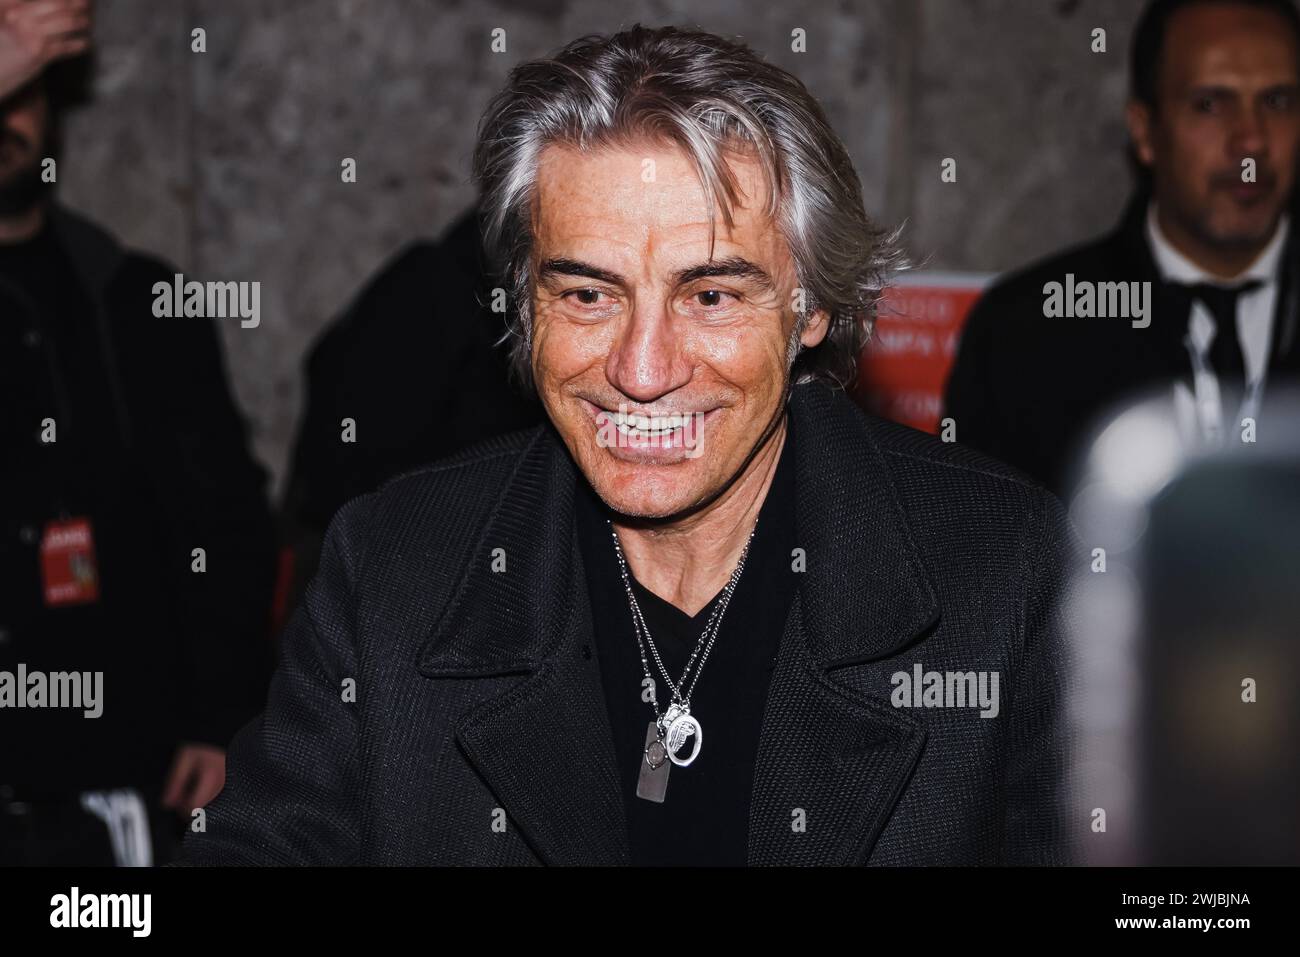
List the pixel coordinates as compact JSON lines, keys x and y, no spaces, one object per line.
{"x":840,"y":757}
{"x":544,"y":746}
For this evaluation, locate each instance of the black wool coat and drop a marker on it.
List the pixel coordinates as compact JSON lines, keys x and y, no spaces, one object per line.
{"x":477,"y":732}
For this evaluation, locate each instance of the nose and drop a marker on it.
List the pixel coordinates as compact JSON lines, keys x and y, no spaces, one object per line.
{"x":648,"y":359}
{"x":1249,"y":135}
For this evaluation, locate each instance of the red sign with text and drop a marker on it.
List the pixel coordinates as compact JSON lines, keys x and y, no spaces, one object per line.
{"x":903,"y":371}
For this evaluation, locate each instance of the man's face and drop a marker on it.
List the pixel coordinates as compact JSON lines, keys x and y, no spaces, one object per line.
{"x":630,"y":311}
{"x":24,"y":119}
{"x":1227,"y":91}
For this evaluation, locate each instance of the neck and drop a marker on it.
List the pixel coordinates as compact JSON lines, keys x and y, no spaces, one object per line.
{"x":687,"y":562}
{"x":22,"y":226}
{"x":1221,"y":261}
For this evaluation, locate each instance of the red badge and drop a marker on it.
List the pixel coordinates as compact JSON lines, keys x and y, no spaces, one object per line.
{"x":68,"y":569}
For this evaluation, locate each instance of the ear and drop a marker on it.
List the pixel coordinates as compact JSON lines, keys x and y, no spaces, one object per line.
{"x":1138,"y":116}
{"x":815,"y":329}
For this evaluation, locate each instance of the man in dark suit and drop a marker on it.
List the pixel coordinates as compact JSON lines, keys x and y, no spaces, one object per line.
{"x":512,"y":656}
{"x":1215,"y":122}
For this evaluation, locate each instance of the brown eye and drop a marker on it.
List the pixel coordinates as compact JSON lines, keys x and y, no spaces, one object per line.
{"x":713,"y":297}
{"x":1281,"y":102}
{"x":588,"y":297}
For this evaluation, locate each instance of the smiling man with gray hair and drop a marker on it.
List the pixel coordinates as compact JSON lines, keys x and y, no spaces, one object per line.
{"x":512,"y":657}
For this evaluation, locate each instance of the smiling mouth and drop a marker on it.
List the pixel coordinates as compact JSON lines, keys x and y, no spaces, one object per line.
{"x":636,"y":426}
{"x":669,"y":432}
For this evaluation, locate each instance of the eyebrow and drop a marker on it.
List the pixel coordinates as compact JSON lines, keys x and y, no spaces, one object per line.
{"x":1211,"y":89}
{"x":573,"y":267}
{"x":733,"y":266}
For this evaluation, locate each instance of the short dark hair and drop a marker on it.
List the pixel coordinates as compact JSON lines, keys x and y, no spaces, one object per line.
{"x":1149,"y":38}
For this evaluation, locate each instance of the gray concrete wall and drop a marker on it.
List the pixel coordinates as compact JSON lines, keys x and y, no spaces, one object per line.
{"x":227,"y":162}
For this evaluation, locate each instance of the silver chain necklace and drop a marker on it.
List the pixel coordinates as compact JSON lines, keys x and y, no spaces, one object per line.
{"x":668,"y":733}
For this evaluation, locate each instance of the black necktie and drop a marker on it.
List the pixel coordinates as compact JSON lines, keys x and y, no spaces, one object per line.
{"x":1225,"y":353}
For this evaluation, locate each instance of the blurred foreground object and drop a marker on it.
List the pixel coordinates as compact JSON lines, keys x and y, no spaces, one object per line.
{"x":1188,"y":701}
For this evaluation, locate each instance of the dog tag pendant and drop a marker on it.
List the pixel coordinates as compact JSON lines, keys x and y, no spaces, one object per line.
{"x":652,"y":782}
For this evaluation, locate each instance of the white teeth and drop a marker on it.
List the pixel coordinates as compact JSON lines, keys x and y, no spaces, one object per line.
{"x":634,"y":425}
{"x":650,"y":424}
{"x":637,"y":427}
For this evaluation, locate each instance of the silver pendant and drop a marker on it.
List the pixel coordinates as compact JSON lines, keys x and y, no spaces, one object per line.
{"x":669,"y":716}
{"x":682,"y":727}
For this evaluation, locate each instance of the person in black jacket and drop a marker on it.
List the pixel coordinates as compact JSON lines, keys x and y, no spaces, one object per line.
{"x":708,"y":612}
{"x":1215,"y":96}
{"x":415,"y":378}
{"x":124,"y":453}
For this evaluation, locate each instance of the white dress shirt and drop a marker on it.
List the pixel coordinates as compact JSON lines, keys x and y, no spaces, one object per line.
{"x":1201,"y":413}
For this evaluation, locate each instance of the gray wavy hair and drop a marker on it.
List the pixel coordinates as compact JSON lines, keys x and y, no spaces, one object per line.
{"x":707,"y":95}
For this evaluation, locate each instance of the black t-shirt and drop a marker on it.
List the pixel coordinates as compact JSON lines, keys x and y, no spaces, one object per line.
{"x":704,"y":819}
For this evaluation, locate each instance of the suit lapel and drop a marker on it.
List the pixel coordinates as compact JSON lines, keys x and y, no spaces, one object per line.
{"x":1157,"y":353}
{"x":840,"y":757}
{"x":544,"y":746}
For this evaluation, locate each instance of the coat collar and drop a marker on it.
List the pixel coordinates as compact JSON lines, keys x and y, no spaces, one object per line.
{"x":545,"y":747}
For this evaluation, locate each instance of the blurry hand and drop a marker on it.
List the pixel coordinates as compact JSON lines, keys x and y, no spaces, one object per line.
{"x":35,"y":33}
{"x":197,"y":776}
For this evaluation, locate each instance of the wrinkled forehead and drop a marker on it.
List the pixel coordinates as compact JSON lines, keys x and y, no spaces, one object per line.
{"x":645,"y":192}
